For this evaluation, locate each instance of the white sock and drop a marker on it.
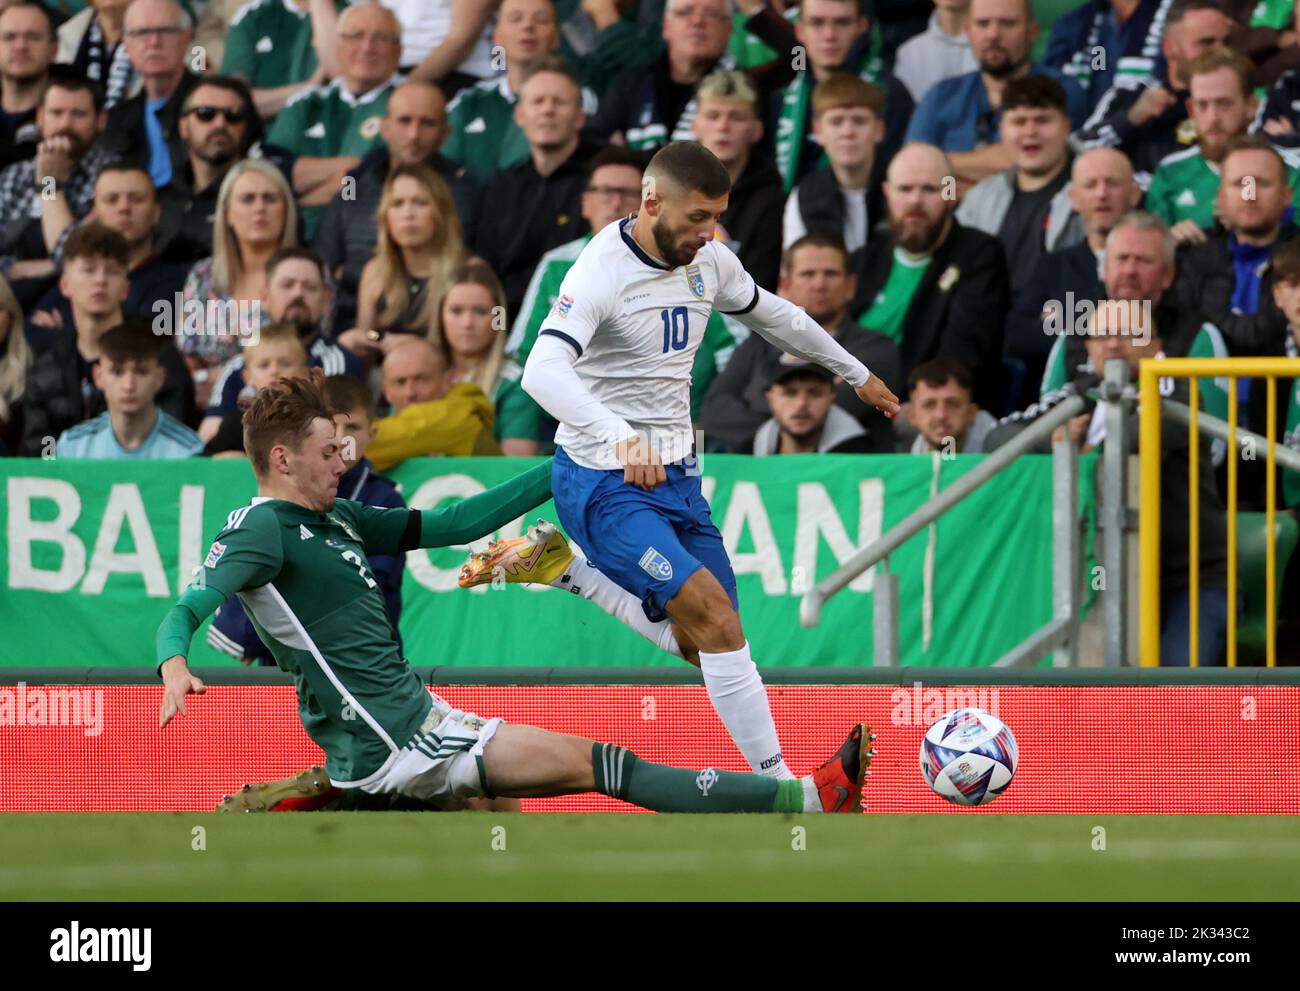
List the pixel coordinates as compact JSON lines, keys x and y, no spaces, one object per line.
{"x":812,"y":802}
{"x":736,"y":690}
{"x":585,"y":579}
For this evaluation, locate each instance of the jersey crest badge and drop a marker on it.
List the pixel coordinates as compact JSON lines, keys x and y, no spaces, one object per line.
{"x":346,"y":529}
{"x":656,"y":565}
{"x":563,"y":305}
{"x":214,"y":555}
{"x":695,"y":280}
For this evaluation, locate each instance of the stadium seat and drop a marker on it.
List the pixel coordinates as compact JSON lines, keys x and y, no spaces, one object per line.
{"x":1252,"y":546}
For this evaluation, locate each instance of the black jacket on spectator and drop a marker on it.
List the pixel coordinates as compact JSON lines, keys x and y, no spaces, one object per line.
{"x":125,"y":138}
{"x":1205,"y":283}
{"x":821,"y":201}
{"x":154,"y":279}
{"x":1061,"y":276}
{"x":736,"y":403}
{"x":184,"y":233}
{"x":346,"y":236}
{"x":18,"y":142}
{"x":1174,"y":461}
{"x":753,"y":220}
{"x":58,"y":398}
{"x":1108,"y":126}
{"x":963,"y":320}
{"x":523,"y":215}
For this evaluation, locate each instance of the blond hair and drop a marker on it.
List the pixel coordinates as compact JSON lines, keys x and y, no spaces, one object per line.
{"x":16,"y":356}
{"x":448,"y":247}
{"x":227,"y":262}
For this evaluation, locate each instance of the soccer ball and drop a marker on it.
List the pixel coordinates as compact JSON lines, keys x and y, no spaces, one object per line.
{"x":968,"y":757}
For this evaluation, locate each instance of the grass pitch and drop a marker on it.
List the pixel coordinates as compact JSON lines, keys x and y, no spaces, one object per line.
{"x":398,"y":856}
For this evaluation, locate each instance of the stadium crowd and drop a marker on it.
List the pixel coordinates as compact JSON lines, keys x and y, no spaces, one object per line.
{"x":196,"y":198}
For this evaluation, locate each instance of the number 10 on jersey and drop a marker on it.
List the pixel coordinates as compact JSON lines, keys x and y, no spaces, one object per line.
{"x":677,"y":329}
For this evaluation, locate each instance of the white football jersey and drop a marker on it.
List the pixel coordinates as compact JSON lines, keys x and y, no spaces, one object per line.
{"x":635,"y":326}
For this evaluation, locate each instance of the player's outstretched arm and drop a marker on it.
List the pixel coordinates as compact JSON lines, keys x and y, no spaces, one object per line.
{"x":484,"y":513}
{"x":791,"y":329}
{"x":173,"y":645}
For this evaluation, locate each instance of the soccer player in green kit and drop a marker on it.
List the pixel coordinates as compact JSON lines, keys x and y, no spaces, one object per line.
{"x":296,"y":556}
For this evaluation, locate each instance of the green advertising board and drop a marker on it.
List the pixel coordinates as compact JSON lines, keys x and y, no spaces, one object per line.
{"x":94,"y":553}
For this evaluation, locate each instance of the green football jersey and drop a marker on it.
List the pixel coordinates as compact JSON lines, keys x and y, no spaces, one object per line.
{"x":1184,"y":187}
{"x":305,"y":581}
{"x":329,"y":120}
{"x":887,"y":310}
{"x":269,"y":44}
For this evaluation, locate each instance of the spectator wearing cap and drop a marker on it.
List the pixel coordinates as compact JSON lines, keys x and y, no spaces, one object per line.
{"x":728,"y":124}
{"x":130,"y":375}
{"x":940,"y":406}
{"x":960,"y":115}
{"x":805,"y":418}
{"x":815,"y":275}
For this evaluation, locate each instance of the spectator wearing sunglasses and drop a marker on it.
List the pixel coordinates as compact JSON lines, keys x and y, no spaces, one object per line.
{"x":217,"y":127}
{"x":145,"y":128}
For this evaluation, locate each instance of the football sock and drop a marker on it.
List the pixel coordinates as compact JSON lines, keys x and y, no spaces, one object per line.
{"x":736,"y":689}
{"x":662,"y":788}
{"x":812,"y":802}
{"x":585,"y":579}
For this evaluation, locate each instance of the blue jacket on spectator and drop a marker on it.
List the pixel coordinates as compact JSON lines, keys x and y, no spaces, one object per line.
{"x":955,"y":114}
{"x":1089,"y":47}
{"x":232,"y":632}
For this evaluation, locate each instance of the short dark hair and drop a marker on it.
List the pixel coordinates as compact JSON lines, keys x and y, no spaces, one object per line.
{"x":617,"y":155}
{"x":938,"y":372}
{"x":346,"y":393}
{"x":1285,"y":263}
{"x":96,"y":240}
{"x":292,"y":252}
{"x":1179,"y":9}
{"x":553,"y":63}
{"x":122,"y":165}
{"x":691,"y":167}
{"x":72,"y":81}
{"x":283,"y":413}
{"x":1255,"y":142}
{"x":231,"y":84}
{"x":131,"y":340}
{"x":1035,"y":92}
{"x":815,"y":239}
{"x":45,"y":12}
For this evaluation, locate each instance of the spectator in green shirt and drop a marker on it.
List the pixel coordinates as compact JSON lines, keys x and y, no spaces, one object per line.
{"x":270,"y":45}
{"x":326,"y":130}
{"x":484,"y":136}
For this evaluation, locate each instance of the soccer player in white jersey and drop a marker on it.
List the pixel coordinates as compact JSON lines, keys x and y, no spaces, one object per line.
{"x":612,"y":364}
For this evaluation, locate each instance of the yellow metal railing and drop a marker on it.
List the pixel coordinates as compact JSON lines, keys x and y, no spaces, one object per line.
{"x":1149,"y":375}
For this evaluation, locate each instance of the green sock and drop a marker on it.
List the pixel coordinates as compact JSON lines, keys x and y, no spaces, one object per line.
{"x":662,"y":788}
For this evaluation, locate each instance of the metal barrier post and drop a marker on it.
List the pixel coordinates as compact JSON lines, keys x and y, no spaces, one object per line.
{"x":1113,"y":512}
{"x":884,"y":608}
{"x":1065,"y":548}
{"x":1149,"y":516}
